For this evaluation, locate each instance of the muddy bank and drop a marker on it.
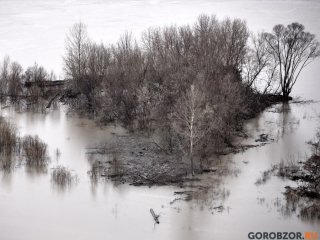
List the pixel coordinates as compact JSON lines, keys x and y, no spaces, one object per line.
{"x":137,"y":160}
{"x":140,"y":160}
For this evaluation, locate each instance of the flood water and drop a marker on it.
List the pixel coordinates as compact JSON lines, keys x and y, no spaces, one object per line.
{"x":32,"y":208}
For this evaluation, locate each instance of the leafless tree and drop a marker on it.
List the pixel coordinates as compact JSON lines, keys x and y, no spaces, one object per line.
{"x":191,"y":120}
{"x":4,"y":76}
{"x":259,"y":70}
{"x":95,"y":74}
{"x":36,"y":73}
{"x":233,"y":37}
{"x":15,"y":81}
{"x":126,"y":77}
{"x":292,"y":49}
{"x":75,"y":60}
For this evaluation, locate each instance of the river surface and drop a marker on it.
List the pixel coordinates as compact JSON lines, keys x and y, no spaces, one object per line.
{"x":32,"y":208}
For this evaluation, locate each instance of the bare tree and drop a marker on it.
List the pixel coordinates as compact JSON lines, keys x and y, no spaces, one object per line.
{"x":256,"y":61}
{"x":15,"y":81}
{"x":4,"y":76}
{"x":36,"y":73}
{"x":96,"y":72}
{"x":191,"y":120}
{"x":127,"y":77}
{"x":293,"y":49}
{"x":233,"y":36}
{"x":11,"y":76}
{"x":259,"y":70}
{"x":75,"y":60}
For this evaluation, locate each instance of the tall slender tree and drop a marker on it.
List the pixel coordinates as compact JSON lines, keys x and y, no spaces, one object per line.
{"x":75,"y":60}
{"x":191,"y":120}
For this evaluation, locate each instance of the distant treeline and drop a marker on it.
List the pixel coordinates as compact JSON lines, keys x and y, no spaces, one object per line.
{"x":13,"y":80}
{"x":193,"y":84}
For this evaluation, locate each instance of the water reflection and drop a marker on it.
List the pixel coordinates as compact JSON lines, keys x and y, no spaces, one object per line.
{"x":216,"y":200}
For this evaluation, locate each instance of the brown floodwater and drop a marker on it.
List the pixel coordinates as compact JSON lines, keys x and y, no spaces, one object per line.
{"x":31,"y":207}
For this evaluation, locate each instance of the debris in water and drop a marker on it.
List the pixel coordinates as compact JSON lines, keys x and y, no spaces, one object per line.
{"x":155,"y":216}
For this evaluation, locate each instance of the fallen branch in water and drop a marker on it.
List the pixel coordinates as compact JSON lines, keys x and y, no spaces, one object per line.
{"x":155,"y":217}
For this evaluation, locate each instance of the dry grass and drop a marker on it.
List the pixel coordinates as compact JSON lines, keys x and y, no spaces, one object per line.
{"x":35,"y":151}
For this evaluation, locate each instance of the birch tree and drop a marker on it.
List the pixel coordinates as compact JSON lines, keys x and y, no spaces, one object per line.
{"x":191,"y":120}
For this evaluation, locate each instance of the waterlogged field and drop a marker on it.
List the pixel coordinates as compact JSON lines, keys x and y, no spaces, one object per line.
{"x":32,"y":206}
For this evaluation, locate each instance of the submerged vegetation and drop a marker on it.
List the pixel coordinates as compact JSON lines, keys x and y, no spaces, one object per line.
{"x":304,"y":198}
{"x":35,"y":151}
{"x":63,"y":177}
{"x":12,"y":148}
{"x":32,"y":152}
{"x":9,"y":144}
{"x":8,"y":138}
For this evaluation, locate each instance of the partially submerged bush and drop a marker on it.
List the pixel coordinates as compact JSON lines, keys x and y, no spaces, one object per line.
{"x":35,"y":151}
{"x":9,"y":144}
{"x":62,"y":176}
{"x":8,"y":138}
{"x":306,"y":196}
{"x":33,"y":148}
